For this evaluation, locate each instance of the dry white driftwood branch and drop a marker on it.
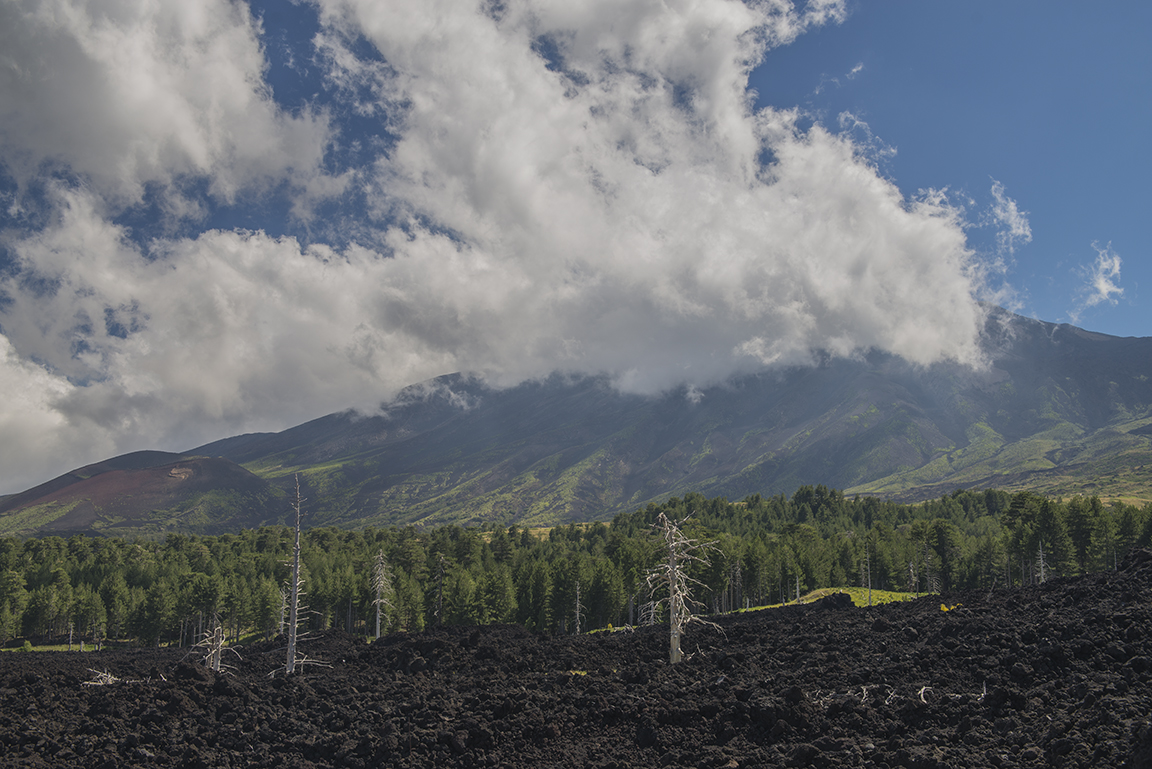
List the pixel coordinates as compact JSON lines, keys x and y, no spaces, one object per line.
{"x":101,"y":678}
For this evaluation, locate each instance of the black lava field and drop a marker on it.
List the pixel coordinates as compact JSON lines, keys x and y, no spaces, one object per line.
{"x":1053,"y":675}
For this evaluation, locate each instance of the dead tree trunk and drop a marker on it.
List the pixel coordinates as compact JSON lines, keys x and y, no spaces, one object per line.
{"x":382,"y":585}
{"x":579,"y":609}
{"x":681,"y":551}
{"x":215,"y":646}
{"x":294,"y":587}
{"x":440,"y":590}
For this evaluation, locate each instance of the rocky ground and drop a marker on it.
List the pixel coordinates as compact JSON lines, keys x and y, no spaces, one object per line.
{"x":1056,"y":675}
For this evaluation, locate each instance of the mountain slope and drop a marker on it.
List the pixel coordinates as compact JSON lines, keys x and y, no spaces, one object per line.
{"x":1058,"y":410}
{"x":1062,"y":411}
{"x":146,"y":492}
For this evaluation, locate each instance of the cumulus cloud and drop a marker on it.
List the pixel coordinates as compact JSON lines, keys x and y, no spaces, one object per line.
{"x":129,"y":94}
{"x":1101,"y":282}
{"x":577,"y":187}
{"x":618,"y":183}
{"x":34,"y":429}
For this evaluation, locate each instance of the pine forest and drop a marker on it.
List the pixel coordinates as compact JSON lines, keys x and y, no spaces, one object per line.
{"x":84,"y":592}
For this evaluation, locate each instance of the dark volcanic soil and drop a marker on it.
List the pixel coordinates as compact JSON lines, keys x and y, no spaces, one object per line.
{"x":1056,"y":675}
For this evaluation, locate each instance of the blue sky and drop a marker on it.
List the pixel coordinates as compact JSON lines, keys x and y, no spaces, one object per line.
{"x":1051,"y":99}
{"x":219,"y":217}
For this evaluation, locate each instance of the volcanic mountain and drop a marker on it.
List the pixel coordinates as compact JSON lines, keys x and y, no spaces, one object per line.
{"x":1057,"y":410}
{"x":146,"y":492}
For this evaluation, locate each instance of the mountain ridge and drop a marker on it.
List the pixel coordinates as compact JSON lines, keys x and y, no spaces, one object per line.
{"x":1058,"y":410}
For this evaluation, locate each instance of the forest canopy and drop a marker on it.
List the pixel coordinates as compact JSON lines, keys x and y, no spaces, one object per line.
{"x":583,"y":576}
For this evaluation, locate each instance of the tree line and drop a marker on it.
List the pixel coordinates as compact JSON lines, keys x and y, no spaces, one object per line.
{"x":567,"y":579}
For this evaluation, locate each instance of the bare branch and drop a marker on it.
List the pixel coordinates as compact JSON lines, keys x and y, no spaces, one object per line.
{"x":682,"y":550}
{"x":101,"y":678}
{"x":212,"y":645}
{"x":382,"y":585}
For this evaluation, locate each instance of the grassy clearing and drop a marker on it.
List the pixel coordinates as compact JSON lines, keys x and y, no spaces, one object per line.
{"x":76,"y":647}
{"x":859,"y":597}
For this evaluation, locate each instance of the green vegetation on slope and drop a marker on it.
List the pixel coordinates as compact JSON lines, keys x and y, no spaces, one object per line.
{"x":30,"y":519}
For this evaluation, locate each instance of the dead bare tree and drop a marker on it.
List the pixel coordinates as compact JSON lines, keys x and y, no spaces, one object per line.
{"x":439,"y":613}
{"x":382,"y":585}
{"x":215,"y":643}
{"x":648,"y":611}
{"x":579,"y":611}
{"x":211,"y":644}
{"x":294,"y":587}
{"x":296,"y":582}
{"x":681,"y":551}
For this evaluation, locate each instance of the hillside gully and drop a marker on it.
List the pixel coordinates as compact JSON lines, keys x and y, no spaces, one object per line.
{"x":1053,"y":675}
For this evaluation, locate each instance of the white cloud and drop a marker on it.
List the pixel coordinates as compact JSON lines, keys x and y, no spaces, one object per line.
{"x":128,"y":93}
{"x":1101,"y":282}
{"x":622,"y":188}
{"x":1011,"y":223}
{"x":601,"y":211}
{"x":851,"y":74}
{"x":34,"y":429}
